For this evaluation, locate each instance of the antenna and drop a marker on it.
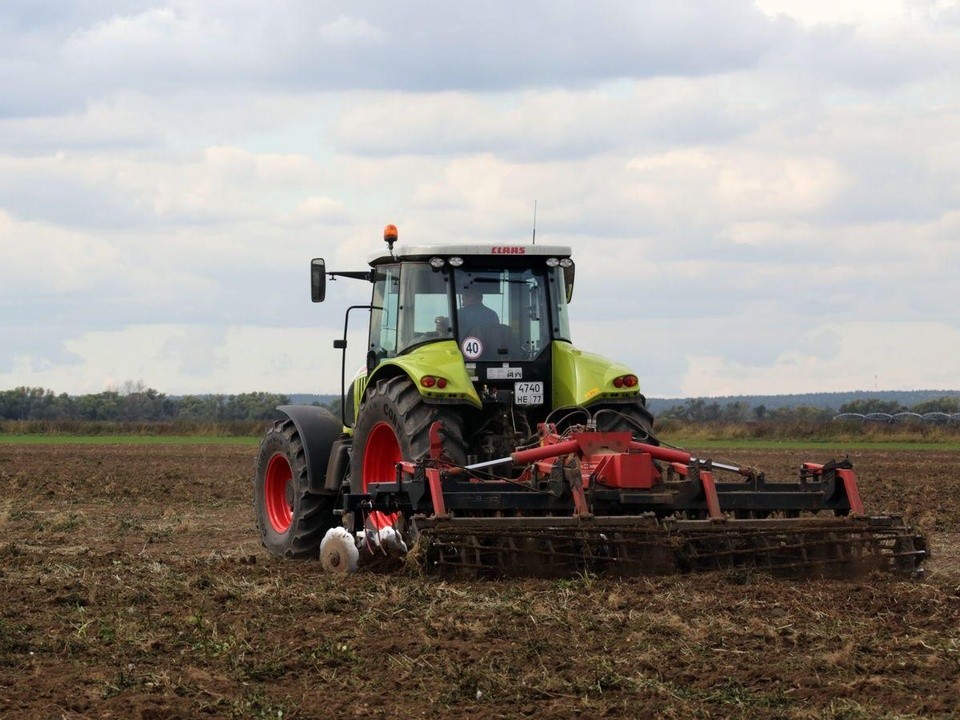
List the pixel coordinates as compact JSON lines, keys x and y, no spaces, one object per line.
{"x":534,"y":221}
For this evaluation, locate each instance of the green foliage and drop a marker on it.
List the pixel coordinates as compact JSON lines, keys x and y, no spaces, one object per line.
{"x":872,"y":405}
{"x":136,"y":403}
{"x":334,"y":406}
{"x":698,"y":410}
{"x":832,"y":401}
{"x":942,"y":404}
{"x":720,"y":410}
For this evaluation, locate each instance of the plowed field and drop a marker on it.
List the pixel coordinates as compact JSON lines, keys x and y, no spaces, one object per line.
{"x":132,"y":586}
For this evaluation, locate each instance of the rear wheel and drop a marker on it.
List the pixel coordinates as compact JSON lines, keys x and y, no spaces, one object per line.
{"x":394,"y":425}
{"x":291,"y":518}
{"x":629,"y":416}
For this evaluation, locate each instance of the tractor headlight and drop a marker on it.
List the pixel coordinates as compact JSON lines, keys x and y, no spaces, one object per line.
{"x":552,"y":262}
{"x":455,"y":261}
{"x":437,"y":262}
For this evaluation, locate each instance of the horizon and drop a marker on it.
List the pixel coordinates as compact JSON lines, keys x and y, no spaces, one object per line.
{"x":659,"y":398}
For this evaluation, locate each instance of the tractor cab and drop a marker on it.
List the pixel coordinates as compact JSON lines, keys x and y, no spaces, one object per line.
{"x":499,"y":304}
{"x":466,"y":323}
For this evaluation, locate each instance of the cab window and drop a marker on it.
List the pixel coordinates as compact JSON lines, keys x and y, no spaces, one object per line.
{"x":424,"y":309}
{"x":505,"y":312}
{"x":558,"y":291}
{"x":385,"y":316}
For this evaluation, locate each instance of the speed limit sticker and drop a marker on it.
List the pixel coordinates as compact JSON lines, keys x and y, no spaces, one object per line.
{"x":472,"y":348}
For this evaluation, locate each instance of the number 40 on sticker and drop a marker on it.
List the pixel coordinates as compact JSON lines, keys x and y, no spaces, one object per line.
{"x":472,"y":348}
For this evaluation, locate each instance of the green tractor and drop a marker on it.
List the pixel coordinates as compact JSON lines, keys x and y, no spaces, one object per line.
{"x":474,"y":337}
{"x":478,"y":431}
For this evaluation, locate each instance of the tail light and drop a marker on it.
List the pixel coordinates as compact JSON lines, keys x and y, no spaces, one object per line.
{"x":625,"y":381}
{"x":429,"y":381}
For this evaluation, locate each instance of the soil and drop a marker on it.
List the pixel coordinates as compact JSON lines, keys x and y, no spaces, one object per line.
{"x":132,"y":585}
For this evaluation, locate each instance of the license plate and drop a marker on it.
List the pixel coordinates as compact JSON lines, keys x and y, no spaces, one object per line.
{"x":528,"y":393}
{"x":504,"y":373}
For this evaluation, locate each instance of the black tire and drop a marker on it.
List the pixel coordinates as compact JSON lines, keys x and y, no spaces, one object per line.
{"x":395,"y":412}
{"x":622,"y":417}
{"x":291,"y":519}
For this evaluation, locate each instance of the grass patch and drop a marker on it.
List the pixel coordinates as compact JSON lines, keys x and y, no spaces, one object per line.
{"x":699,"y":443}
{"x":857,"y":444}
{"x":126,"y":440}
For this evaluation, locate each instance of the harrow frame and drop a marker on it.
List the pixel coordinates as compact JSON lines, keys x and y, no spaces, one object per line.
{"x":602,"y":502}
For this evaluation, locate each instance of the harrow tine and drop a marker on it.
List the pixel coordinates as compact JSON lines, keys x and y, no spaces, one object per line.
{"x":565,"y":545}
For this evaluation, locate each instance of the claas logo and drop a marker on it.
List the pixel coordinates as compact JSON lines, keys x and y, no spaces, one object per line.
{"x":508,"y":250}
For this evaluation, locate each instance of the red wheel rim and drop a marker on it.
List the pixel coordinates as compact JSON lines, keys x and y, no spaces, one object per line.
{"x":381,"y":455}
{"x":278,"y":493}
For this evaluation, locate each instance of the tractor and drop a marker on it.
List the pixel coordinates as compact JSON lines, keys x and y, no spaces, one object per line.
{"x":479,"y":434}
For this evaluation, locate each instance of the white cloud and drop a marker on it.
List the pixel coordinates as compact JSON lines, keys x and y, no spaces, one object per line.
{"x":737,"y":186}
{"x":347,"y":29}
{"x":319,"y":209}
{"x":379,"y":45}
{"x":40,"y":259}
{"x":816,"y":12}
{"x":187,"y":359}
{"x":545,"y":124}
{"x":862,"y":356}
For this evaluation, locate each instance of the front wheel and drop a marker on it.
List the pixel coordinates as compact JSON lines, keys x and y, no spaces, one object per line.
{"x":292,"y":520}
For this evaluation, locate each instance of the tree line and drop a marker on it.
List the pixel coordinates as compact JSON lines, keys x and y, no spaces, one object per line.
{"x":135,"y":403}
{"x":700,"y":410}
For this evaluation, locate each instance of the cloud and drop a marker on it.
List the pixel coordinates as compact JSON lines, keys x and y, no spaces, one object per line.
{"x":863,"y":356}
{"x":221,"y":183}
{"x":188,"y":359}
{"x":835,"y":12}
{"x":379,"y":45}
{"x":42,"y":259}
{"x":544,"y":125}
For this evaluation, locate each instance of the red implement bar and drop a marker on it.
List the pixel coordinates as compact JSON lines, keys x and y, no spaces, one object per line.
{"x":525,"y":457}
{"x":586,"y":444}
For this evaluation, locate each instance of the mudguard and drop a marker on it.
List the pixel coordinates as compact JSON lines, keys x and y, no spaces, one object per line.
{"x":581,"y":378}
{"x":436,"y":358}
{"x":318,"y":431}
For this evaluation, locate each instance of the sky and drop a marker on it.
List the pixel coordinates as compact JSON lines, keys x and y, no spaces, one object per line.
{"x":761,"y":197}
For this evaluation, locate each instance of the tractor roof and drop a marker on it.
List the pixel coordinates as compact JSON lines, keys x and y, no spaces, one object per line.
{"x":425,"y":252}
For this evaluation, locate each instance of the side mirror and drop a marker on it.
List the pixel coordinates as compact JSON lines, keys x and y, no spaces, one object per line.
{"x":568,"y":273}
{"x":318,"y":280}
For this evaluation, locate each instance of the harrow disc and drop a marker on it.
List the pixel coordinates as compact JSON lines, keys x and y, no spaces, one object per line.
{"x":338,"y":551}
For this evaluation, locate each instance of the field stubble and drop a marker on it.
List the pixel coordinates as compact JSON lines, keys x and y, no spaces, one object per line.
{"x":132,"y":585}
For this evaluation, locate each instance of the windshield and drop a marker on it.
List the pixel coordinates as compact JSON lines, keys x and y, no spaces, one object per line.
{"x":503,"y":314}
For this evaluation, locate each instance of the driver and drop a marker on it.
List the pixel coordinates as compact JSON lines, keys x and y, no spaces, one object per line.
{"x":473,"y":313}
